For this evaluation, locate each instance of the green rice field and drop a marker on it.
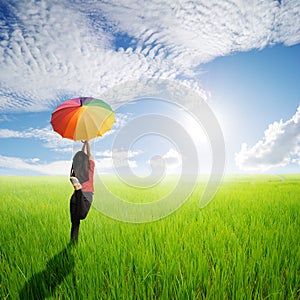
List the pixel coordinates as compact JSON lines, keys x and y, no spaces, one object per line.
{"x":243,"y":245}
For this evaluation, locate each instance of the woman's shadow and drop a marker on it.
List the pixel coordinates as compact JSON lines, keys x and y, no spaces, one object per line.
{"x":42,"y":285}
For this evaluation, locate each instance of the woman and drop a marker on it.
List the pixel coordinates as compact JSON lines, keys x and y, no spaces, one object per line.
{"x":82,"y":178}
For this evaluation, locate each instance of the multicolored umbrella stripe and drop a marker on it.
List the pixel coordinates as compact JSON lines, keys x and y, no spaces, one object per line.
{"x":82,"y":118}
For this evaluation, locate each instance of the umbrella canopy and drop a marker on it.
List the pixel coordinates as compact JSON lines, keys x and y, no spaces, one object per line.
{"x":82,"y":118}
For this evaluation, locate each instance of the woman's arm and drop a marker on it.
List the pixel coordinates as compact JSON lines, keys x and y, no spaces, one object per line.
{"x":83,"y":146}
{"x":88,"y":150}
{"x":86,"y":146}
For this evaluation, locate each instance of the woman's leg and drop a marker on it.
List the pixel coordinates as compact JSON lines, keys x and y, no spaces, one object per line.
{"x":79,"y":208}
{"x":74,"y":231}
{"x":75,"y":220}
{"x":83,"y":204}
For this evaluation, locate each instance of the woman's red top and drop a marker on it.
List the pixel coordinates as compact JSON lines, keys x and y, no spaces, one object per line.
{"x":88,"y":186}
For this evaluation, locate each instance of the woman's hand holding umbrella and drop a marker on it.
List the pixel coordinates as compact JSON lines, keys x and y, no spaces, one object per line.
{"x":86,"y":146}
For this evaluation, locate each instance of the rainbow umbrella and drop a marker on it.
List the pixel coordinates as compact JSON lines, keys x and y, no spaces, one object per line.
{"x":82,"y":118}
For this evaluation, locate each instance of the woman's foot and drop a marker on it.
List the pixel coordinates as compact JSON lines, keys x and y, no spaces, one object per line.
{"x":76,"y":183}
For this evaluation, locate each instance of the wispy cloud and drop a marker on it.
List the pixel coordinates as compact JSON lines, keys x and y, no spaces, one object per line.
{"x":53,"y":168}
{"x":56,"y":143}
{"x":279,"y":147}
{"x":50,"y":138}
{"x":53,"y":140}
{"x":59,"y":167}
{"x":50,"y":49}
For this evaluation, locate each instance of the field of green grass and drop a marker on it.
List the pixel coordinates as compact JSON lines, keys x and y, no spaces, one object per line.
{"x":243,"y":245}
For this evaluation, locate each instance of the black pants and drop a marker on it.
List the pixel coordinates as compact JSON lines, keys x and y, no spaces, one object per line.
{"x":79,"y":208}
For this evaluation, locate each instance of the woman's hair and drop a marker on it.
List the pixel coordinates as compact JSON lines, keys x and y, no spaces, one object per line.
{"x":80,"y":167}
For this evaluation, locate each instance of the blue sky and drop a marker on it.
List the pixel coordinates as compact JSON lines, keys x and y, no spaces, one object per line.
{"x":242,"y":59}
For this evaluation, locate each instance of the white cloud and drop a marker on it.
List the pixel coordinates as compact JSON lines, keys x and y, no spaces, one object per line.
{"x":60,"y":167}
{"x":121,"y":120}
{"x":43,"y":57}
{"x":119,"y":154}
{"x":109,"y":160}
{"x":108,"y":163}
{"x":50,"y":138}
{"x":171,"y":161}
{"x":50,"y":49}
{"x":53,"y":168}
{"x":194,"y":32}
{"x":279,"y":147}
